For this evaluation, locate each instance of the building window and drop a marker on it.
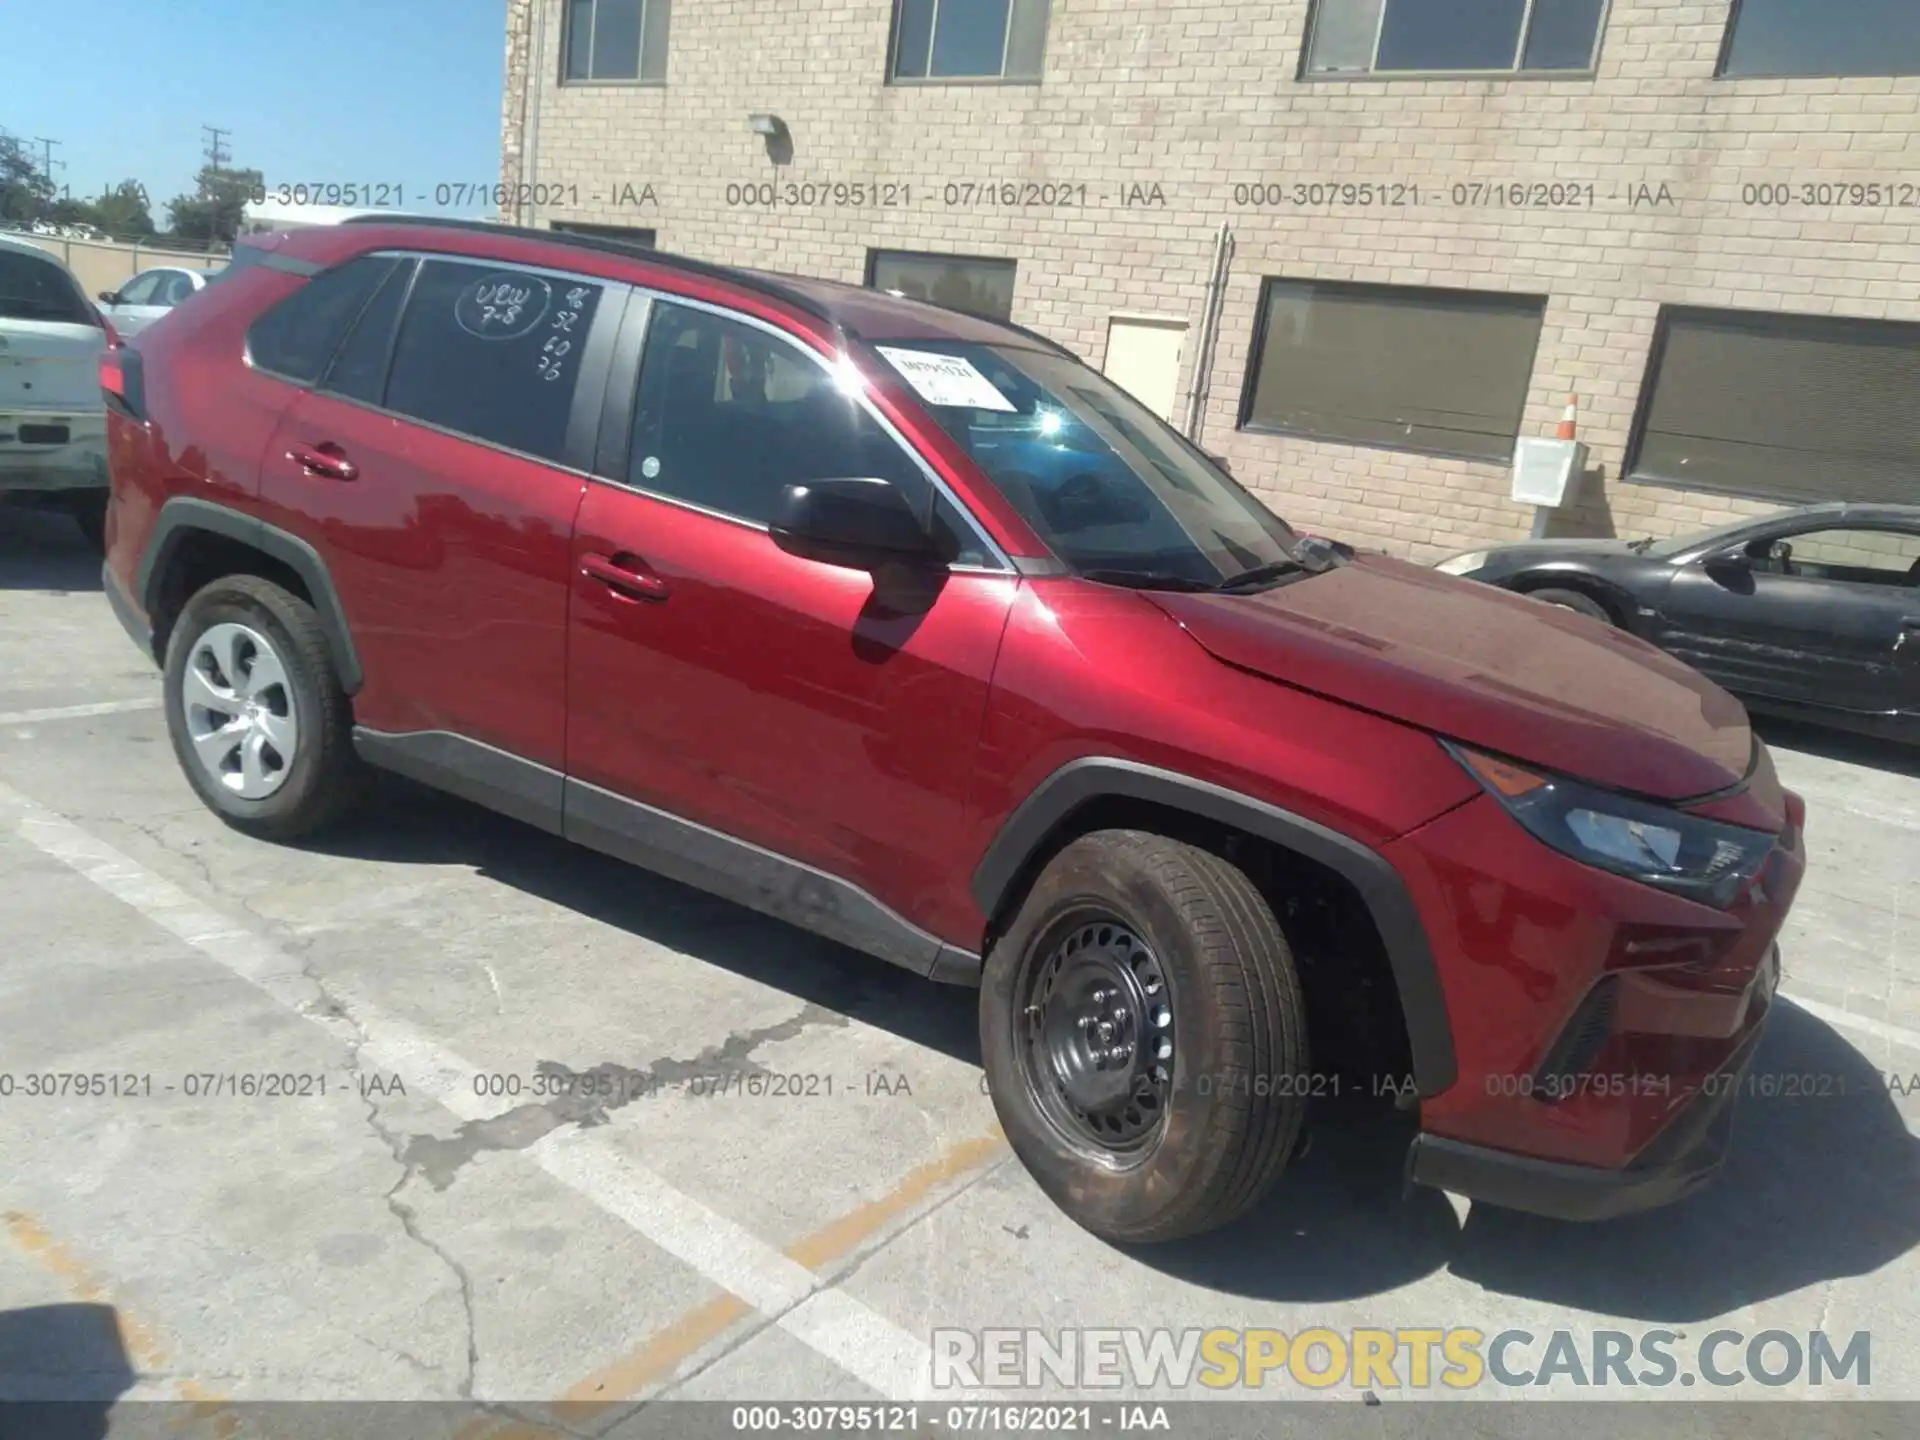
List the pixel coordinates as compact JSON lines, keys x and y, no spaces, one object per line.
{"x":1442,"y":372}
{"x":616,"y":40}
{"x":1781,"y":407}
{"x":968,"y":39}
{"x":971,"y":283}
{"x":1822,"y":37}
{"x":631,"y":234}
{"x":1375,"y":37}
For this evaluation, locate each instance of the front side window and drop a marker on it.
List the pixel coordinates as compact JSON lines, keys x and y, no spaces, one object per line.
{"x":1363,"y":37}
{"x":297,"y":337}
{"x":1442,"y":372}
{"x":967,"y":283}
{"x":968,"y":39}
{"x":1855,"y":556}
{"x":616,"y":40}
{"x":1822,"y":37}
{"x":1114,"y":491}
{"x":728,"y":415}
{"x":1797,"y":408}
{"x":493,"y":353}
{"x":141,"y":290}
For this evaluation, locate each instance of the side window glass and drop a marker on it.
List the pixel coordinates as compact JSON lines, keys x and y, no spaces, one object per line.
{"x":958,"y":542}
{"x":298,"y":336}
{"x":174,"y":287}
{"x":493,"y":353}
{"x":727,"y":415}
{"x":1863,"y":556}
{"x":359,"y":371}
{"x":139,"y":290}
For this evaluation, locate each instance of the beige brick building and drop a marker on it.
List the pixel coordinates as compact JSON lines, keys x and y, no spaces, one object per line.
{"x":1644,"y":178}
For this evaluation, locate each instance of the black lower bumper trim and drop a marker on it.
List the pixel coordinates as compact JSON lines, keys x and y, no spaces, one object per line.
{"x":127,"y":613}
{"x":1682,"y":1158}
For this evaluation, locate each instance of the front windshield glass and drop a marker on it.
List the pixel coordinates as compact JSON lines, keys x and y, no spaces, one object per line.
{"x":1111,"y":488}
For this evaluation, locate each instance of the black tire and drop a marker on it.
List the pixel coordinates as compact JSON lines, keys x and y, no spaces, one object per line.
{"x":89,"y":511}
{"x":1232,"y":1110}
{"x":1574,"y":600}
{"x":324,"y":777}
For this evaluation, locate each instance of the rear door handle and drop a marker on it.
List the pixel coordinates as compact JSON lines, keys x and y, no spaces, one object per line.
{"x":625,"y":575}
{"x":325,"y":459}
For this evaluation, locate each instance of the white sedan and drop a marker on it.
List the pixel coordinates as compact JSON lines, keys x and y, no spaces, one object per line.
{"x":53,"y":422}
{"x":148,"y":296}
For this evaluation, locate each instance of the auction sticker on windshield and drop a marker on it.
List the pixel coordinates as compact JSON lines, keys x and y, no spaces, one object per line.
{"x":946,"y":379}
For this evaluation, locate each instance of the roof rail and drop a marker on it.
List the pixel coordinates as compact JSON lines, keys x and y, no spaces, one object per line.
{"x":745,"y":279}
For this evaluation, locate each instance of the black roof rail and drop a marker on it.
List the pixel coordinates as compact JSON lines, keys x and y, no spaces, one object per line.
{"x":745,"y":279}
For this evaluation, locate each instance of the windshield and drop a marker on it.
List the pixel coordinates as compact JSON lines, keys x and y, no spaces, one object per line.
{"x":1114,"y":491}
{"x":1667,"y":549}
{"x":36,"y":289}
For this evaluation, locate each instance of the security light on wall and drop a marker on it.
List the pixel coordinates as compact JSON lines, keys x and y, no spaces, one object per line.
{"x":771,"y":126}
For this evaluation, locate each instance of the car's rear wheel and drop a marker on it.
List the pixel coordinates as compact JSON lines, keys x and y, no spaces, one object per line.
{"x":1144,"y":1037}
{"x":1573,"y":600}
{"x":258,"y":719}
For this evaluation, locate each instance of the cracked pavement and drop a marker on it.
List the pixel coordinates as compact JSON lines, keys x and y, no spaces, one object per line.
{"x":384,"y":1238}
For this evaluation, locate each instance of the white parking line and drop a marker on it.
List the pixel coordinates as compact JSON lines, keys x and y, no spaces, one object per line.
{"x":79,"y":712}
{"x":857,"y":1339}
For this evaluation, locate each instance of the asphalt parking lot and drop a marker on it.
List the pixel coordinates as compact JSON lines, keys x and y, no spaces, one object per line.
{"x":798,"y":1178}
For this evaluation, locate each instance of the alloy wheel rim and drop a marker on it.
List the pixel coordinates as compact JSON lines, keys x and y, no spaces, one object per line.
{"x":1097,"y":1035}
{"x":239,"y":710}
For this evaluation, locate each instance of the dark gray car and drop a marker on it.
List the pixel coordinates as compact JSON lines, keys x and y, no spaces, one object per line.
{"x":1812,"y":612}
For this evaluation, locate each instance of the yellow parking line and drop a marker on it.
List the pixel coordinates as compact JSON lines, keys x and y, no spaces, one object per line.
{"x":655,"y":1358}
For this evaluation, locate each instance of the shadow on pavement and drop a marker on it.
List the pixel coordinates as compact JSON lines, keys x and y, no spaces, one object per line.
{"x":1841,"y":745}
{"x":61,"y":1369}
{"x":1818,"y":1186}
{"x":44,"y":550}
{"x":412,"y":824}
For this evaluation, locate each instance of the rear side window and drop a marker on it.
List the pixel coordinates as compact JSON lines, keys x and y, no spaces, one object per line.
{"x":32,"y":288}
{"x":493,"y":353}
{"x":297,"y":337}
{"x":359,"y":370}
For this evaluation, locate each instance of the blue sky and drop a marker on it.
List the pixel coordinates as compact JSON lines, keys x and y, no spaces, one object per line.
{"x":339,"y":91}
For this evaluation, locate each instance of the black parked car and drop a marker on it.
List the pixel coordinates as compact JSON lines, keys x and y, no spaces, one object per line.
{"x":1812,"y":613}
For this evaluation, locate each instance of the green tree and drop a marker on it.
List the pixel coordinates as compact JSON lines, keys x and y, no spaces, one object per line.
{"x":217,"y":209}
{"x":26,"y":194}
{"x":123,"y":212}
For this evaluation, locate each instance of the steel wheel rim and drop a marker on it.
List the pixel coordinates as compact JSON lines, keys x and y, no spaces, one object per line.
{"x":237,"y":702}
{"x":1095,"y":1035}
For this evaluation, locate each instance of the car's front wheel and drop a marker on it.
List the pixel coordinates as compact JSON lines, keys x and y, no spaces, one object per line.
{"x":258,"y":719}
{"x":1144,"y":1037}
{"x":1573,"y":600}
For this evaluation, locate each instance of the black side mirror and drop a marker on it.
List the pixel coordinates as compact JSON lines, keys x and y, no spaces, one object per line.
{"x":855,"y":523}
{"x":112,"y":297}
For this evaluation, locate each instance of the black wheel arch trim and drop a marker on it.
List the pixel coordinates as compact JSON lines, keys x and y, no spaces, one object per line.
{"x":182,"y":516}
{"x":1422,"y":1001}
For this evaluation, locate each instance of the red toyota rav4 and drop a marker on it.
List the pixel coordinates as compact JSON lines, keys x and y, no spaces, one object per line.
{"x":911,"y":629}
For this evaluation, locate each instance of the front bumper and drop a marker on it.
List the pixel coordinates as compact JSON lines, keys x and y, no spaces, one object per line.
{"x":1681,"y":1159}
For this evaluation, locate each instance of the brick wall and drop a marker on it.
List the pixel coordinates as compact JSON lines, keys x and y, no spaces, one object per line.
{"x":1195,"y":96}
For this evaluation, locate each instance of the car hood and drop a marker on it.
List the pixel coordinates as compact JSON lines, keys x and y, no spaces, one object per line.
{"x":1523,"y":554}
{"x":1485,"y":667}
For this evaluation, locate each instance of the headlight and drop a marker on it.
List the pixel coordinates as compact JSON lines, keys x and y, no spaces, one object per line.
{"x":1701,"y":859}
{"x":1461,"y":564}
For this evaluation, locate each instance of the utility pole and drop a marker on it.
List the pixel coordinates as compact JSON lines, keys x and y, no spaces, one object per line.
{"x":47,"y":161}
{"x":216,"y":151}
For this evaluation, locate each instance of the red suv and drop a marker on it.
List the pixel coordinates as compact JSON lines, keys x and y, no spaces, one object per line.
{"x":911,"y":629}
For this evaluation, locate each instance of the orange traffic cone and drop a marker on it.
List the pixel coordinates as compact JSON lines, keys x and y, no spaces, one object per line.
{"x":1571,"y":420}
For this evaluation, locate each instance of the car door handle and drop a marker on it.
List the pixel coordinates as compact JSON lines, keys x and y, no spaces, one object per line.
{"x":625,"y":575}
{"x":326,"y":459}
